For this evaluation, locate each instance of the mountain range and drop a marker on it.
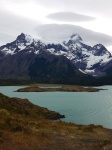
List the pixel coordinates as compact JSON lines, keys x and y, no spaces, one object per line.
{"x":70,"y":61}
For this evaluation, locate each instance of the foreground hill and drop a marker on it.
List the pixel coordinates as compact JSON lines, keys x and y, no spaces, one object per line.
{"x":29,"y":127}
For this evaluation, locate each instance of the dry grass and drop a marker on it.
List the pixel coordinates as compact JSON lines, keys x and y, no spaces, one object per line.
{"x":29,"y":131}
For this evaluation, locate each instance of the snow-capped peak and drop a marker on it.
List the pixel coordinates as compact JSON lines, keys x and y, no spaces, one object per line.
{"x":24,"y":38}
{"x":74,"y":42}
{"x":22,"y":42}
{"x":74,"y":39}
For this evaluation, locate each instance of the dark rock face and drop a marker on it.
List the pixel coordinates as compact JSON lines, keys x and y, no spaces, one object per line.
{"x":56,"y":69}
{"x":99,"y":50}
{"x":55,"y":46}
{"x":52,"y":66}
{"x":15,"y":66}
{"x":71,"y":60}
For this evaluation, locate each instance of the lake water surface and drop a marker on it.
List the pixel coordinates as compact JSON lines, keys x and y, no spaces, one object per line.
{"x":78,"y":107}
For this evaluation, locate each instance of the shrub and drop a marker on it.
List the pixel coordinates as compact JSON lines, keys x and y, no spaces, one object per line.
{"x":4,"y":113}
{"x":5,"y":117}
{"x":17,"y":128}
{"x":88,"y":129}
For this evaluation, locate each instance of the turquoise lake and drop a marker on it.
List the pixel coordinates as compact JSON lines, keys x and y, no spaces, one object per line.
{"x":78,"y":107}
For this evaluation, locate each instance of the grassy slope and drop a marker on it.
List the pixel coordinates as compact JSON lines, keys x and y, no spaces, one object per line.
{"x":24,"y":126}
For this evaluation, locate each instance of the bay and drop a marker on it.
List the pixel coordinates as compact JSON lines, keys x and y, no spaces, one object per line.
{"x":78,"y":107}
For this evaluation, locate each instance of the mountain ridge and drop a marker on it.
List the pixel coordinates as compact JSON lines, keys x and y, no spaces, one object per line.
{"x":19,"y":57}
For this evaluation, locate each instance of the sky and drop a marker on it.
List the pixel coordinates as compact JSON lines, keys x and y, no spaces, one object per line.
{"x":57,"y":19}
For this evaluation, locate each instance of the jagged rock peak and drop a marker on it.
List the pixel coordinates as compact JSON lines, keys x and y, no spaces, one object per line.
{"x":22,"y":35}
{"x":74,"y":40}
{"x":75,"y":37}
{"x":99,"y":46}
{"x":24,"y":38}
{"x":100,"y":50}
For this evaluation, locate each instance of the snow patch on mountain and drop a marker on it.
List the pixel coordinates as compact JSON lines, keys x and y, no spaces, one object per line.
{"x":36,"y":52}
{"x":90,"y":72}
{"x":82,"y":71}
{"x":29,"y":39}
{"x":92,"y":60}
{"x":7,"y":51}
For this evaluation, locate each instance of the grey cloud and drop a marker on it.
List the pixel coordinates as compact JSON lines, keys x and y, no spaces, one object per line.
{"x":11,"y":25}
{"x":102,"y":7}
{"x":62,"y":32}
{"x":69,"y":17}
{"x":9,"y":21}
{"x":81,"y":6}
{"x":6,"y":38}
